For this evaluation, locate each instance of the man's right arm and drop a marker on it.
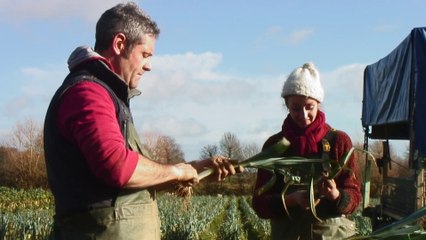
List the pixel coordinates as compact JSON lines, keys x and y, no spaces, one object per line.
{"x":149,"y":173}
{"x":86,"y":118}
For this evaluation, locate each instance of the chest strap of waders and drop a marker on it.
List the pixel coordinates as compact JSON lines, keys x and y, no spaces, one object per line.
{"x":327,"y":142}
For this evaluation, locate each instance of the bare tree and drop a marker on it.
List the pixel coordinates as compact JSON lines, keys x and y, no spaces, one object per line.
{"x":376,"y":149}
{"x":168,"y":151}
{"x":249,"y":150}
{"x":242,"y":183}
{"x":7,"y":177}
{"x":397,"y":166}
{"x":230,"y":146}
{"x":162,"y":148}
{"x":209,"y":151}
{"x":25,"y":155}
{"x":149,"y":143}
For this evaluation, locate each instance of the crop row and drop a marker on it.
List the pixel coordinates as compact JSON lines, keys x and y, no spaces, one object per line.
{"x":29,"y":215}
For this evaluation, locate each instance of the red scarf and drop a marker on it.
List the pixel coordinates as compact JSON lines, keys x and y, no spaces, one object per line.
{"x":304,"y":141}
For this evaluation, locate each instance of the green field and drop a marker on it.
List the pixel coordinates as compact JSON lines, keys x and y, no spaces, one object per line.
{"x":28,"y":215}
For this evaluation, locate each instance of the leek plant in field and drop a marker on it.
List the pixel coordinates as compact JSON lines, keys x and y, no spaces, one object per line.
{"x":296,"y":170}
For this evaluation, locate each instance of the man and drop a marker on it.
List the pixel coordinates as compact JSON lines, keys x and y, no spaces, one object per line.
{"x":104,"y":184}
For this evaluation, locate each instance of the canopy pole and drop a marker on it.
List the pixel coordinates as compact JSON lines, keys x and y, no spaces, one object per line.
{"x":367,"y":174}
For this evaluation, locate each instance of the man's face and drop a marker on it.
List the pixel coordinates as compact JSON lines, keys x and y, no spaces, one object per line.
{"x":134,"y":64}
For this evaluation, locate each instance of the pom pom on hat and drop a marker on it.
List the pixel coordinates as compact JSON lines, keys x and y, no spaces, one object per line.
{"x":304,"y":81}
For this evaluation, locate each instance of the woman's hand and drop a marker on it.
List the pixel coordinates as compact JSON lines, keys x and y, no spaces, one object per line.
{"x":298,"y":198}
{"x":327,"y":187}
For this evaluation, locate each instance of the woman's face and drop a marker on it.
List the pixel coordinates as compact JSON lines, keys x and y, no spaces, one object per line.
{"x":303,"y":110}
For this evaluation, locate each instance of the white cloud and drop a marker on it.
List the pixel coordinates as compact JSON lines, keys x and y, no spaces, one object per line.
{"x":277,"y":34}
{"x":345,"y":81}
{"x":41,"y":82}
{"x":28,"y":10}
{"x":179,"y":101}
{"x":385,"y":28}
{"x":343,"y":98}
{"x":299,"y":36}
{"x":187,"y":97}
{"x":191,"y":76}
{"x":172,"y":126}
{"x":15,"y":105}
{"x":197,"y":111}
{"x":200,"y":66}
{"x":274,"y":30}
{"x":32,"y":95}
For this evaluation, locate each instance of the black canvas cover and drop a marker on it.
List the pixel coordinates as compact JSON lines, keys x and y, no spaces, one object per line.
{"x":394,"y":102}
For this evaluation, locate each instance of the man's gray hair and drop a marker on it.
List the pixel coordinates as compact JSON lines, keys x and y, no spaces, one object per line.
{"x":127,"y":18}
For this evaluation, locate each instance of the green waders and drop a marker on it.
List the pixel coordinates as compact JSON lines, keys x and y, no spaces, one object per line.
{"x":133,"y":216}
{"x":304,"y":227}
{"x":335,"y":228}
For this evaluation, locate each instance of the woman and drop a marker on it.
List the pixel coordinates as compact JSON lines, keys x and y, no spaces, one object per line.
{"x":305,"y":127}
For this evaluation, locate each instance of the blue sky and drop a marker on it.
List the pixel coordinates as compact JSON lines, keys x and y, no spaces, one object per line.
{"x":219,"y":66}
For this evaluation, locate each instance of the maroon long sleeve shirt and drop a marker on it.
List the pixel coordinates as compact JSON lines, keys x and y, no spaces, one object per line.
{"x":86,"y":117}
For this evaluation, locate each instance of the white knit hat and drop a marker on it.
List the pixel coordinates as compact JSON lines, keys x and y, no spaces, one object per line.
{"x":304,"y":81}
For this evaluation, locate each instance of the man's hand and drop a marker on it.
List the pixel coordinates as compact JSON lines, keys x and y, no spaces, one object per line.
{"x":186,"y":174}
{"x":222,"y":166}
